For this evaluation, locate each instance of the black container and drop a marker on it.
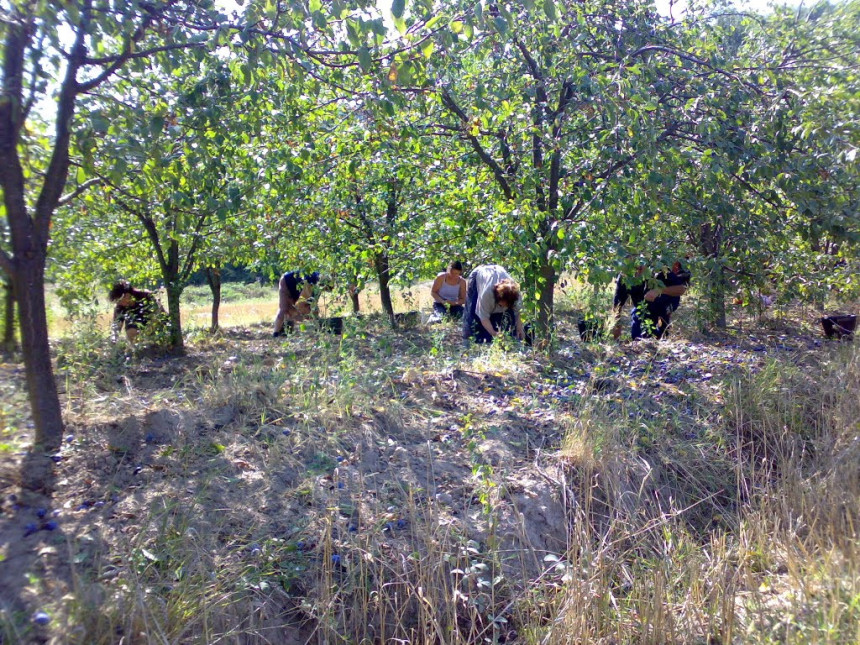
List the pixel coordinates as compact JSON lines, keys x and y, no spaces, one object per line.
{"x":332,"y":325}
{"x":407,"y":318}
{"x":839,"y":326}
{"x":590,"y":328}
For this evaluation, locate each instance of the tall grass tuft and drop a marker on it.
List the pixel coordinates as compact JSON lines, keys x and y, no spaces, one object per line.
{"x":781,"y":562}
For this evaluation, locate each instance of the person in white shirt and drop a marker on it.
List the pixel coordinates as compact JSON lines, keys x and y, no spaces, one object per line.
{"x":449,"y":293}
{"x":492,"y":305}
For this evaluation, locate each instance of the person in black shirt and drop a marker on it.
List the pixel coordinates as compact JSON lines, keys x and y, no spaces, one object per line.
{"x":629,"y":289}
{"x":135,"y":309}
{"x":295,"y":296}
{"x":664,"y":299}
{"x":652,"y":308}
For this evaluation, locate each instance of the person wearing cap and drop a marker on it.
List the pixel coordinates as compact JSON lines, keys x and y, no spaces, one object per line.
{"x":492,"y":305}
{"x":295,"y":298}
{"x":449,"y":293}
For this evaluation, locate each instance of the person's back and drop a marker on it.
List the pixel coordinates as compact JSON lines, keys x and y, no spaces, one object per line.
{"x":295,"y":292}
{"x":487,"y":276}
{"x":492,"y":305}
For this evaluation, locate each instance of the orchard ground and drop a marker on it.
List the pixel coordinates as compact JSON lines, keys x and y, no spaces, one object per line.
{"x":388,"y":486}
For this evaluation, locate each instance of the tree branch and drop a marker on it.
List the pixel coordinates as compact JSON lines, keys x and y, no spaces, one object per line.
{"x":498,"y":172}
{"x":65,"y":199}
{"x":128,"y":55}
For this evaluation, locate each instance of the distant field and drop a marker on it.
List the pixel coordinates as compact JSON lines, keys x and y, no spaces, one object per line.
{"x":249,"y":304}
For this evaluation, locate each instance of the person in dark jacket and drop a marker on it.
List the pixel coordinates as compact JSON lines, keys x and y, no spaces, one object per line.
{"x":663,"y":300}
{"x":632,"y":289}
{"x":652,"y":307}
{"x":135,"y":309}
{"x":295,"y":299}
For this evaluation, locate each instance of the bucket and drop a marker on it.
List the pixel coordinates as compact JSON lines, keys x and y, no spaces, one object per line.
{"x":839,"y":326}
{"x":332,"y":325}
{"x":590,"y":328}
{"x":407,"y":318}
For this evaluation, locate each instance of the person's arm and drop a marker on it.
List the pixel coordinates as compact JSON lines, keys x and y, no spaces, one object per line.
{"x":303,"y":305}
{"x":489,"y":327}
{"x":434,"y":290}
{"x":521,"y":334}
{"x":675,"y":291}
{"x":462,"y":299}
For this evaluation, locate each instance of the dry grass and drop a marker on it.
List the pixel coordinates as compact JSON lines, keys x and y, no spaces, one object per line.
{"x":388,"y":487}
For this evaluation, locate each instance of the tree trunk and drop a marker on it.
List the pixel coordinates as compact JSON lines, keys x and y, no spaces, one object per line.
{"x":174,"y":291}
{"x":353,"y":296}
{"x":383,"y":274}
{"x":546,"y":295}
{"x":710,"y":243}
{"x":716,"y":288}
{"x":8,"y":342}
{"x":213,"y":277}
{"x":29,"y":288}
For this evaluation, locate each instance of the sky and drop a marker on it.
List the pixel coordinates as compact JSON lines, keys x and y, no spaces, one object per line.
{"x":759,"y":6}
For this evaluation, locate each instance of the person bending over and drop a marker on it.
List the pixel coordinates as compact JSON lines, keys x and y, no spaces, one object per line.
{"x":661,"y":302}
{"x":492,"y":305}
{"x":632,"y":289}
{"x":135,"y":309}
{"x":449,"y":293}
{"x":295,"y":298}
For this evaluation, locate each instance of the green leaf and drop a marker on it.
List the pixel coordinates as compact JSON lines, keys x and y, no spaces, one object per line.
{"x":549,"y":9}
{"x":397,"y":8}
{"x":156,"y":125}
{"x":433,"y":21}
{"x":501,"y":25}
{"x":365,"y":60}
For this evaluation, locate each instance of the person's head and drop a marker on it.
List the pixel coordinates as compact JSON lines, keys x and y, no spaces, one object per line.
{"x":455,"y":268}
{"x":677,"y":267}
{"x":507,"y":293}
{"x":119,"y":289}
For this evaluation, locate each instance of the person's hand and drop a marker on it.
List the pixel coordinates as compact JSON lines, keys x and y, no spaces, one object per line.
{"x":652,"y":294}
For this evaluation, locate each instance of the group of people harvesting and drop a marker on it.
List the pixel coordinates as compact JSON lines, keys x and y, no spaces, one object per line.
{"x":488,"y":303}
